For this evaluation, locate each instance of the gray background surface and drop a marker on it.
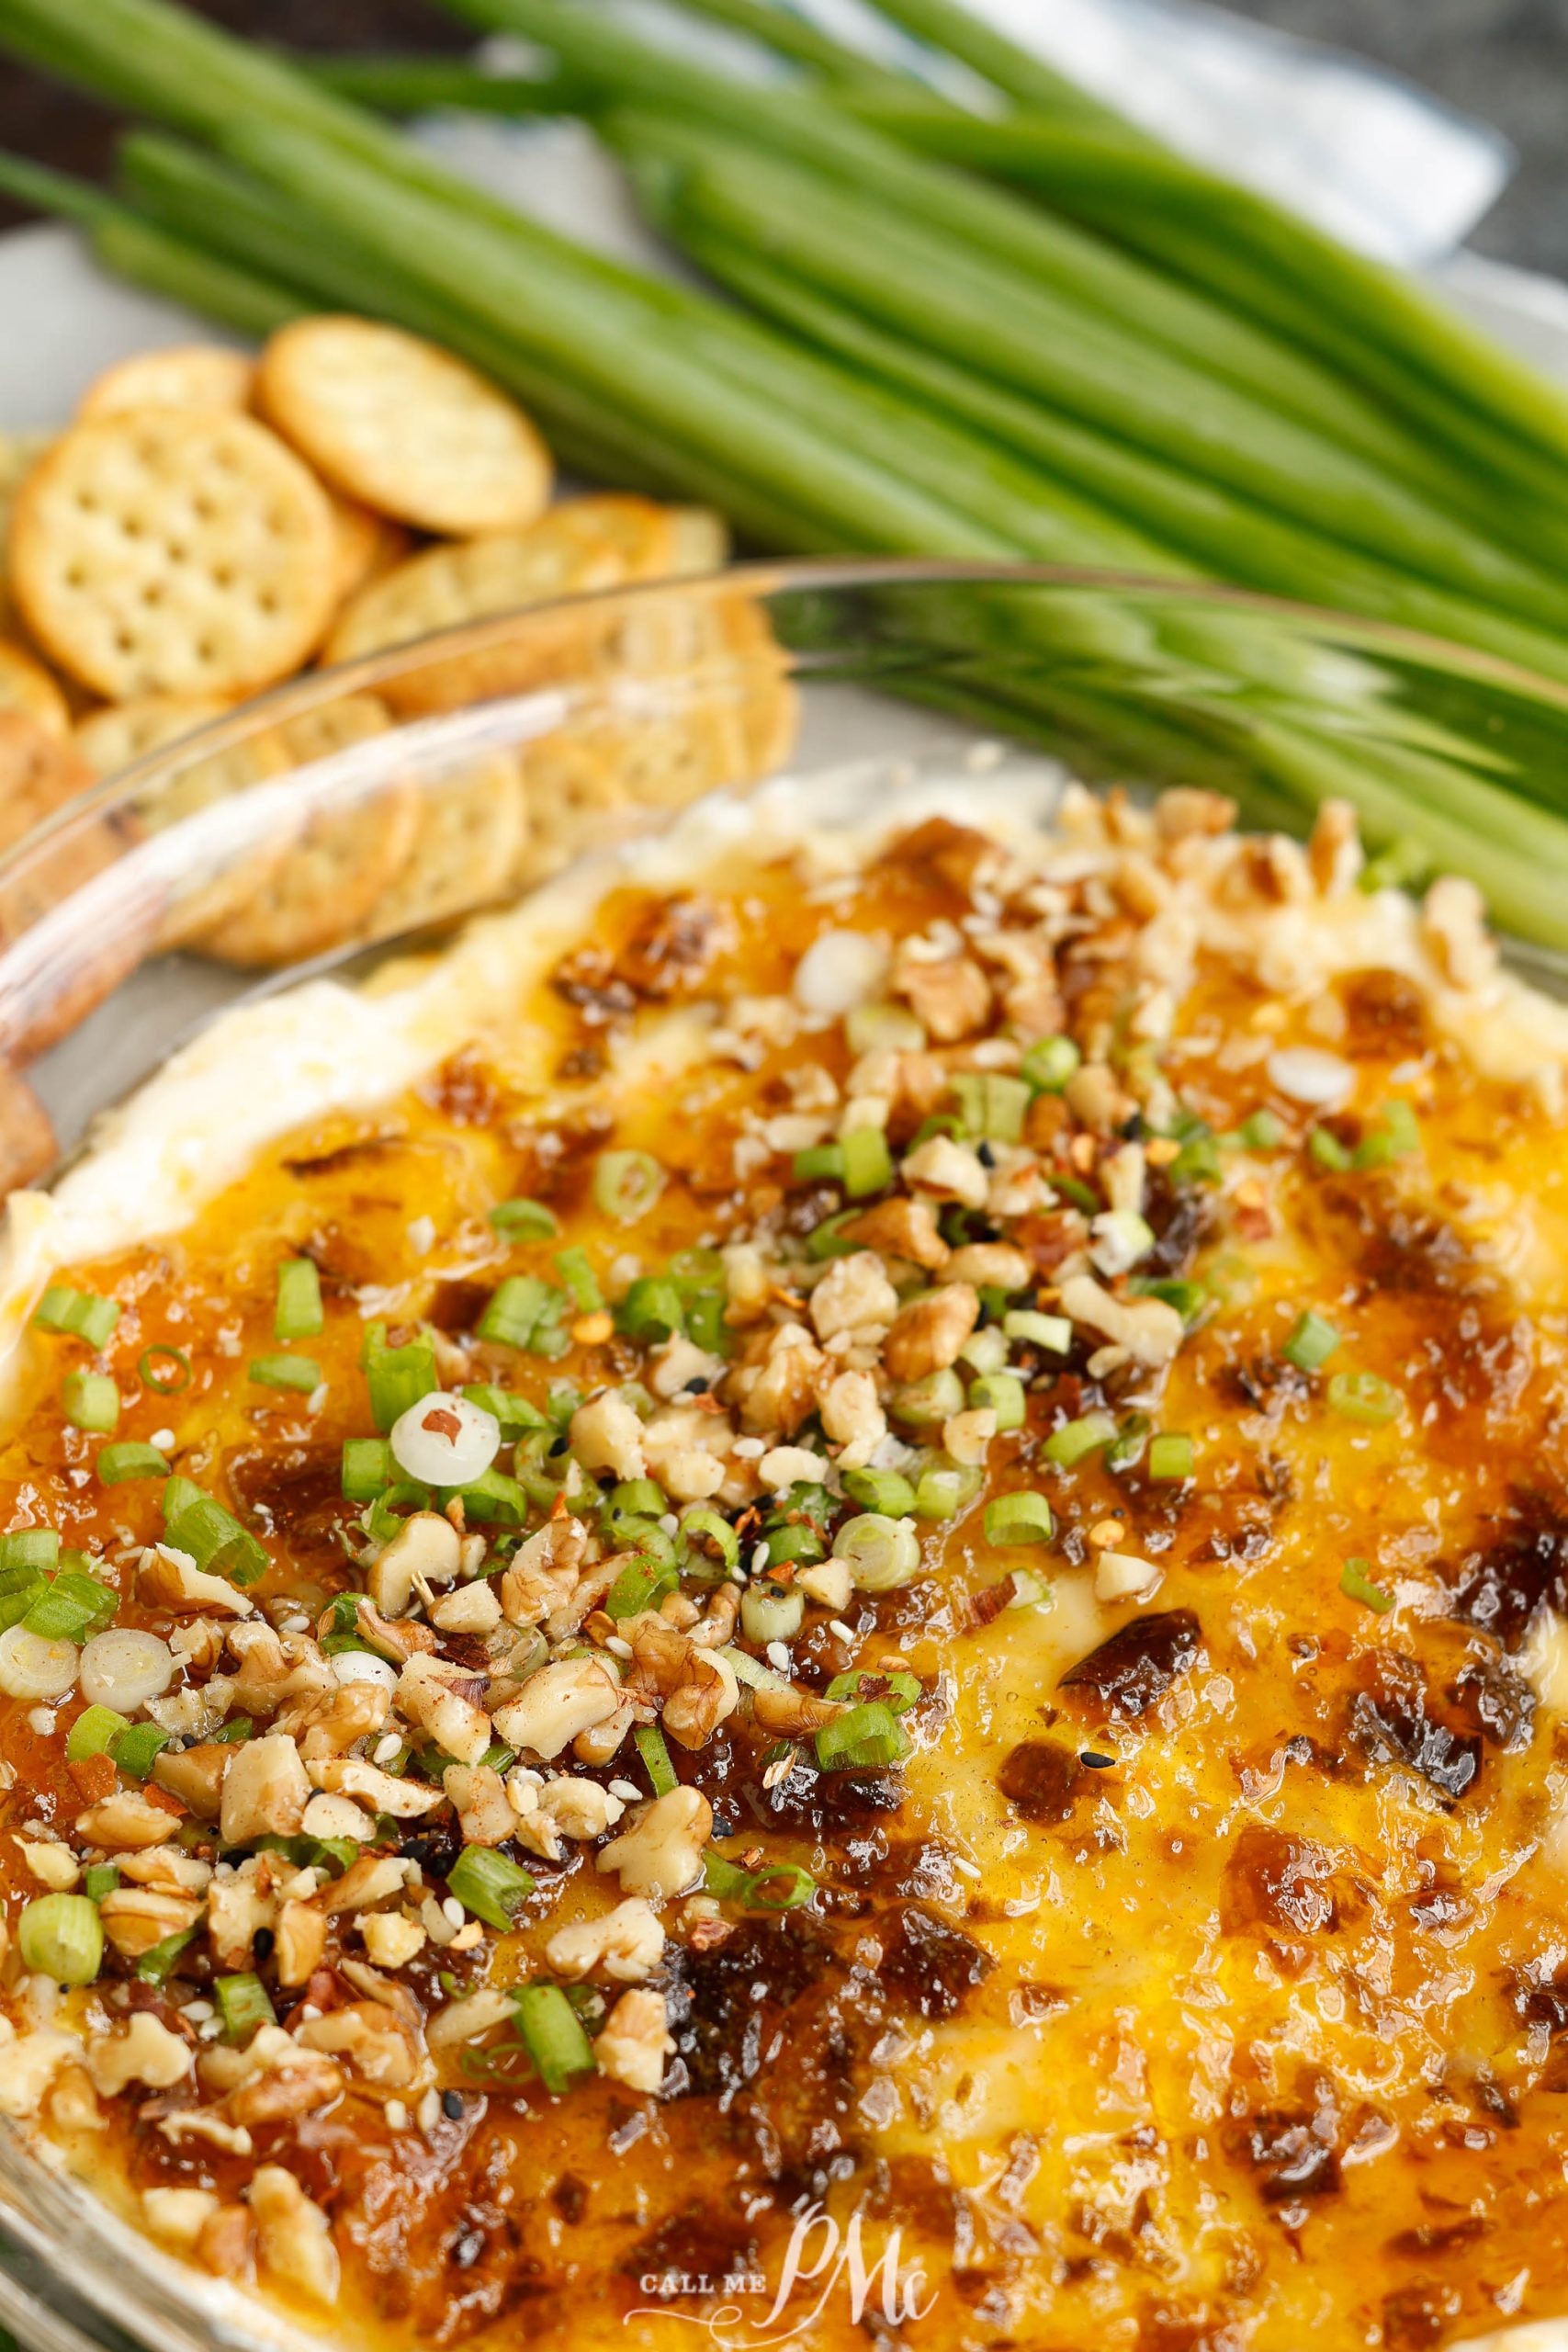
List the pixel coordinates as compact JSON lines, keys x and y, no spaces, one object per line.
{"x":1507,"y":59}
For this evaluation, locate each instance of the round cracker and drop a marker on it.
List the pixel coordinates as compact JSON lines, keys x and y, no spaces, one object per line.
{"x":368,"y":545}
{"x":173,"y":551}
{"x":41,"y":773}
{"x":403,"y":427}
{"x":322,"y":891}
{"x":188,"y":375}
{"x":582,"y":545}
{"x":472,"y":830}
{"x":25,"y":685}
{"x":121,"y":733}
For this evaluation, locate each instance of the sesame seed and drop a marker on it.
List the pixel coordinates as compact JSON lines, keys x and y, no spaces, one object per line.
{"x":161,"y":1439}
{"x":1096,"y":1761}
{"x":627,"y":1791}
{"x":961,"y":1863}
{"x":836,"y":1625}
{"x":397,"y":2115}
{"x":758,"y":1558}
{"x":385,"y":1748}
{"x":452,"y":1911}
{"x":749,"y":1449}
{"x":669,"y":1524}
{"x":777,"y":1655}
{"x":198,"y":2011}
{"x":452,"y":2104}
{"x":618,"y":1648}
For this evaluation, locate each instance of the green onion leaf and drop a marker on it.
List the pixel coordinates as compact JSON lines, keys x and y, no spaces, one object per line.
{"x":1397,"y":1136}
{"x":898,"y":1689}
{"x":490,"y":1887}
{"x":1170,"y":1456}
{"x":1076,"y":1440}
{"x":642,"y":1584}
{"x":827,"y":1240}
{"x":137,"y":1748}
{"x":117,"y":1462}
{"x":79,"y":1314}
{"x":1325,"y":1151}
{"x":572,"y":1266}
{"x":62,"y":1936}
{"x":493,"y":1497}
{"x":151,"y":1366}
{"x":155,"y":1967}
{"x":887,"y":1493}
{"x":554,"y":2036}
{"x":1020,"y":1518}
{"x":1362,"y":1397}
{"x":1053,"y":1332}
{"x":867,"y":1162}
{"x":627,"y":1184}
{"x":398,"y":1377}
{"x":993,"y":1107}
{"x":1356,"y":1583}
{"x":1048,"y":1065}
{"x":298,"y":1313}
{"x":29,"y":1549}
{"x":92,"y":1732}
{"x":1003,"y":1393}
{"x":524,"y":1221}
{"x":867,"y":1738}
{"x":516,"y":1311}
{"x":99,"y":1879}
{"x":1311,"y":1344}
{"x":90,"y":1400}
{"x":244,"y":2004}
{"x":822,"y":1163}
{"x":1262,"y":1132}
{"x":302,"y":1373}
{"x":781,"y":1886}
{"x":649,"y":1743}
{"x":215,"y":1539}
{"x":514,"y":1413}
{"x":368,"y":1467}
{"x":651,"y":1311}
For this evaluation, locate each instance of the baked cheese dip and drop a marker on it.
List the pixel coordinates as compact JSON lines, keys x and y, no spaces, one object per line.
{"x":820,"y":1595}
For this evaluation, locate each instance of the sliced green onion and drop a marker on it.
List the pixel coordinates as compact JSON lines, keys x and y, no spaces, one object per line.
{"x":924,"y":1404}
{"x":486,"y":1883}
{"x":884,"y":1029}
{"x":29,"y":1549}
{"x":1363,"y":1397}
{"x":553,"y":2033}
{"x":649,"y":1743}
{"x":62,"y":1936}
{"x":90,"y":1400}
{"x":782,"y":1886}
{"x":820,"y":1163}
{"x":1003,"y":1393}
{"x":573,"y":1267}
{"x":1118,"y":1239}
{"x":886,"y":1493}
{"x":1070,"y":1444}
{"x":1048,"y":1065}
{"x":1262,"y":1132}
{"x":944,"y":1487}
{"x":883,"y":1552}
{"x":706,"y":1326}
{"x":240,"y":1727}
{"x":642,"y":1584}
{"x":178,"y":1496}
{"x":702,"y":1525}
{"x":525,"y":1220}
{"x":643,"y":1497}
{"x":1397,"y":1136}
{"x":1053,"y":1332}
{"x":1126,"y":1448}
{"x":1020,"y":1518}
{"x":92,"y":1732}
{"x":1170,"y":1456}
{"x":1198,"y":1162}
{"x":515,"y":1311}
{"x":898,"y":1689}
{"x":215,"y":1539}
{"x":1356,"y":1584}
{"x":298,"y":1313}
{"x":387,"y":1513}
{"x":136,"y":1749}
{"x":994,"y":1108}
{"x":148,"y":1366}
{"x":397,"y":1377}
{"x":771,"y":1613}
{"x":514,"y":1413}
{"x":652,"y":1310}
{"x":130,"y":1460}
{"x":1188,"y":1298}
{"x":1325,"y":1149}
{"x":1311,"y":1344}
{"x":99,"y":1879}
{"x":491,"y":1498}
{"x":867,"y":1738}
{"x":867,"y":1162}
{"x":627,"y":1184}
{"x":1071,"y":1188}
{"x":368,"y":1467}
{"x":155,"y":1967}
{"x":244,"y":2004}
{"x":829,"y":1240}
{"x":78,"y":1314}
{"x":801,"y":1543}
{"x":302,"y":1372}
{"x":986,"y":1350}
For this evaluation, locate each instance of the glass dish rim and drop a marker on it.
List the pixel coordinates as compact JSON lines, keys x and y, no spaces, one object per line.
{"x":313,"y":689}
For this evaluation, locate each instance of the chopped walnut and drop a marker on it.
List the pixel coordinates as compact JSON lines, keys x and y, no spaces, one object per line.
{"x":952,"y":1170}
{"x":351,"y":1776}
{"x":440,"y":1699}
{"x":301,"y":1940}
{"x":1333,"y":853}
{"x":852,"y":1417}
{"x":929,"y":1332}
{"x":607,"y":1435}
{"x":854,"y":1296}
{"x":380,"y":2047}
{"x":659,"y":1854}
{"x":1149,"y":1329}
{"x":264,"y":1791}
{"x":635,"y":2040}
{"x":196,"y":1775}
{"x":239,"y":1908}
{"x":391,"y":1937}
{"x":626,"y":1943}
{"x":901,"y":1228}
{"x":1185,"y":810}
{"x":171,"y":1579}
{"x":484,"y":1810}
{"x":146,"y":2052}
{"x":425,"y":1550}
{"x":951,"y":998}
{"x":563,"y":1699}
{"x":293,"y":2235}
{"x":783,"y":1390}
{"x":990,"y":1265}
{"x":127,"y":1819}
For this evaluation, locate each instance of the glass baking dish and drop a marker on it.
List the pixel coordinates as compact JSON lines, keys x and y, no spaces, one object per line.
{"x":262,"y":850}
